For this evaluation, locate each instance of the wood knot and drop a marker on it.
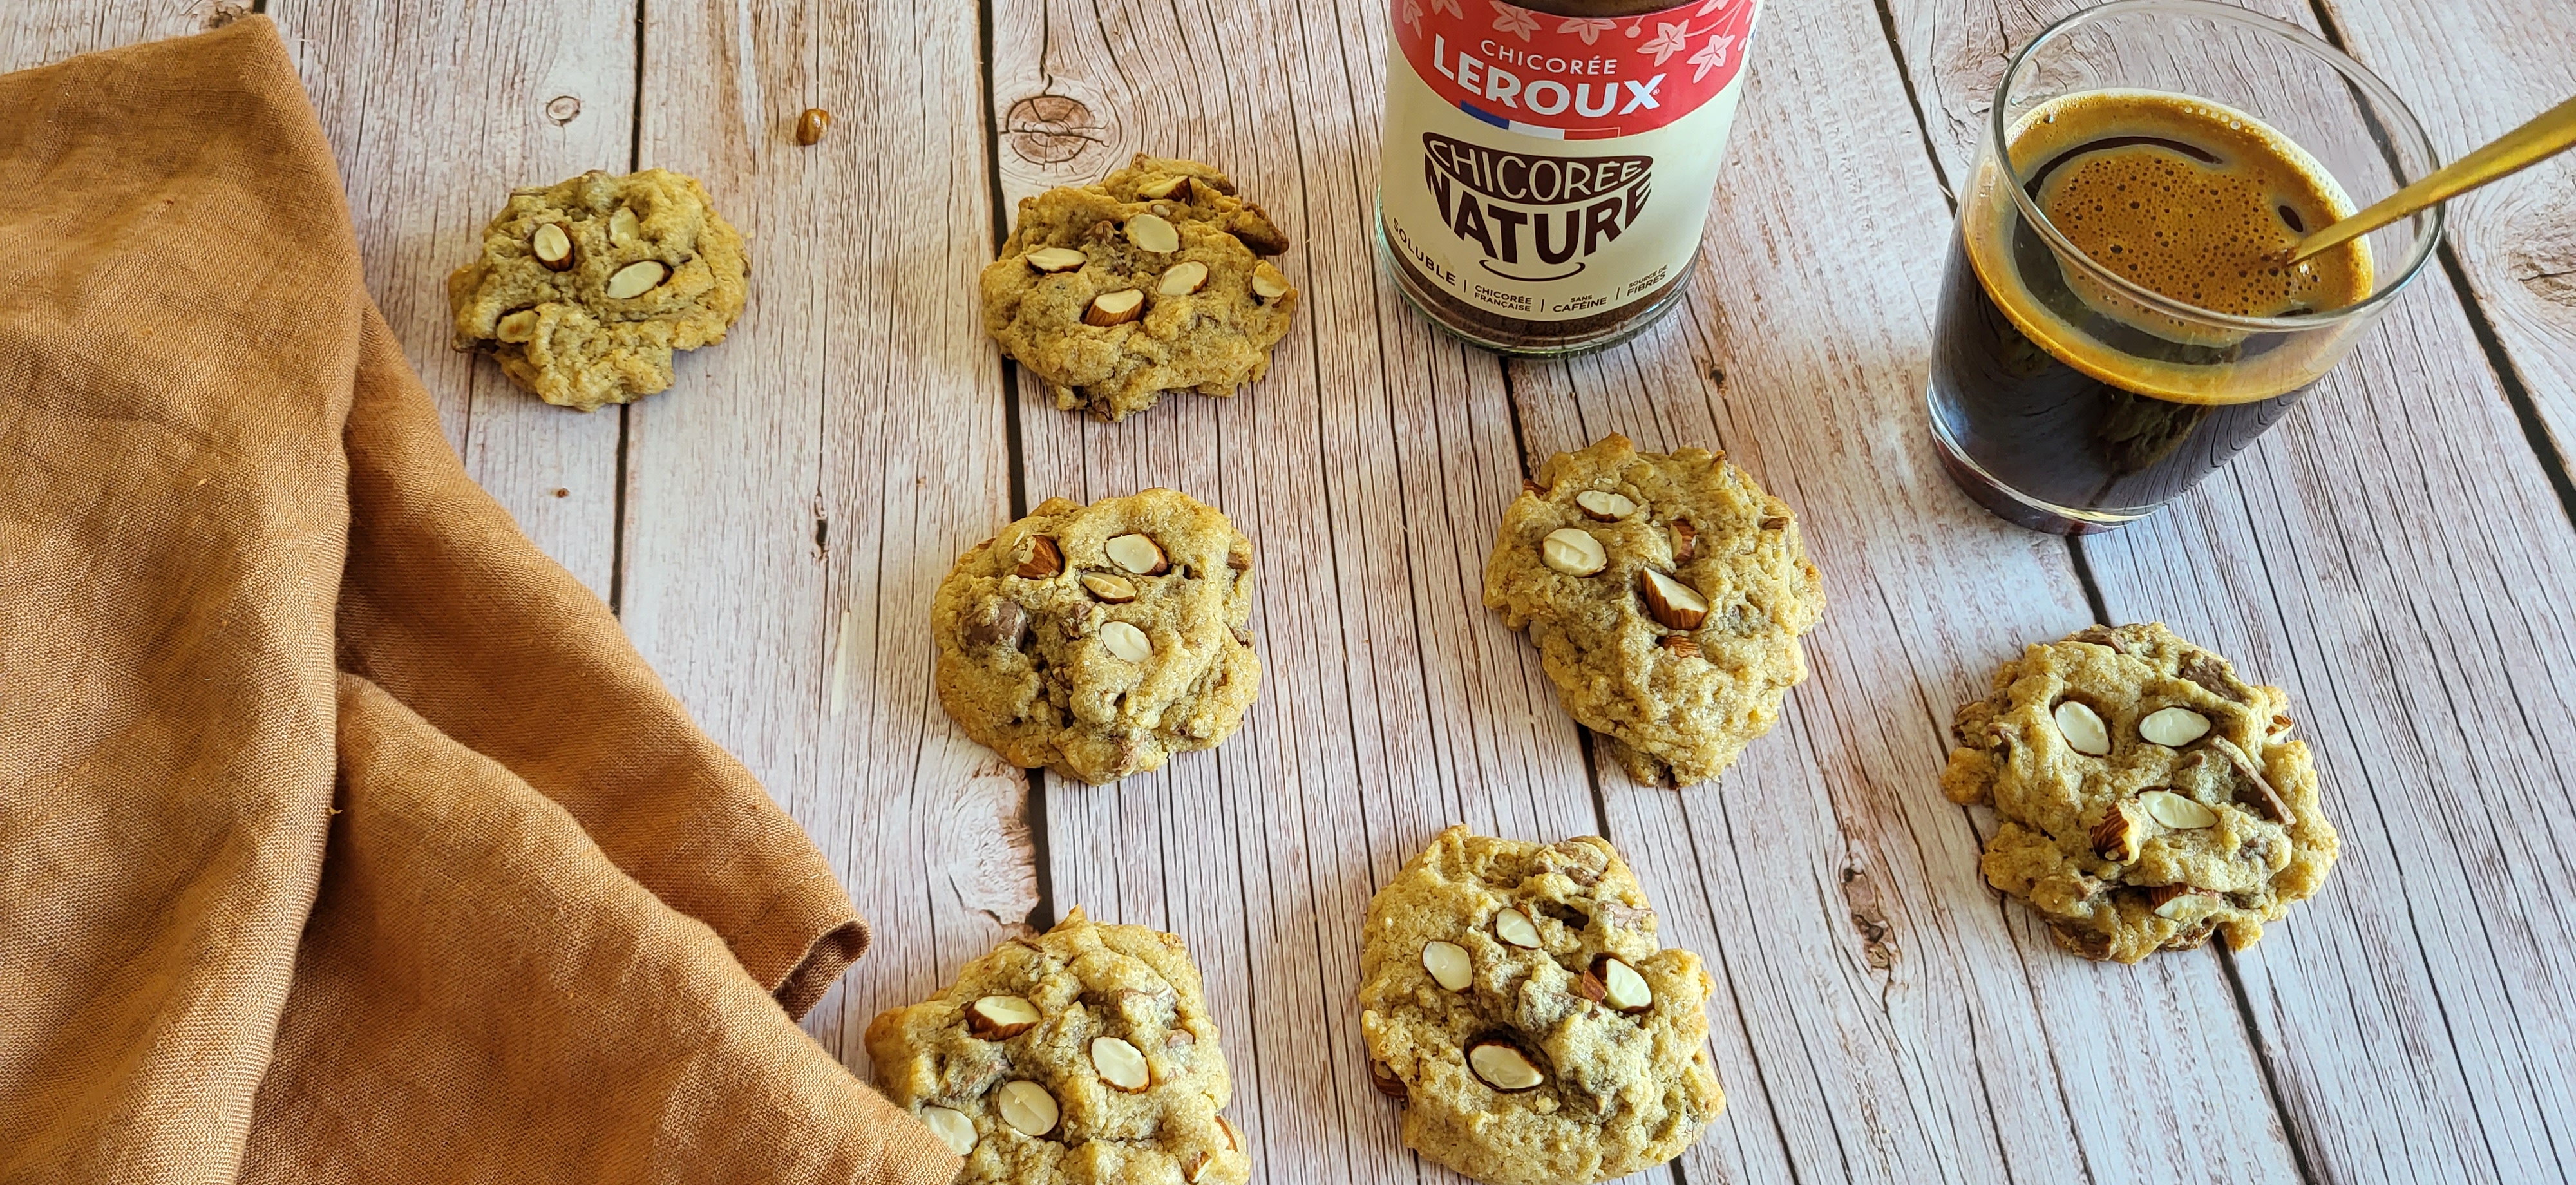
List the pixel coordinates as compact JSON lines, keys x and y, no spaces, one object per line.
{"x":224,"y":12}
{"x":563,"y":109}
{"x":2544,"y":257}
{"x":1861,"y":894}
{"x":1052,"y":129}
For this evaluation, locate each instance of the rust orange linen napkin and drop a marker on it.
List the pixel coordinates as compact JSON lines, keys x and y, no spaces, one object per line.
{"x":343,"y":838}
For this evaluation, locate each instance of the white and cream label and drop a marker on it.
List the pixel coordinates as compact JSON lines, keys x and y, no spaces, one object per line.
{"x":1548,"y":168}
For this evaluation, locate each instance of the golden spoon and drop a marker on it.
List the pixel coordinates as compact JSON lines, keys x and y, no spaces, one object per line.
{"x":2548,"y":134}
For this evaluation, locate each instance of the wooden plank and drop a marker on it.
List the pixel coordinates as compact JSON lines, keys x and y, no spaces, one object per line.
{"x":436,"y":110}
{"x":2471,"y":70}
{"x":2400,"y":564}
{"x":1368,"y":469}
{"x":1897,"y":1022}
{"x":794,"y":500}
{"x":431,"y":131}
{"x":38,"y":32}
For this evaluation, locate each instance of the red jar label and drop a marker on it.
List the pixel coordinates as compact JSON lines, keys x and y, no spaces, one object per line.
{"x":1574,"y":78}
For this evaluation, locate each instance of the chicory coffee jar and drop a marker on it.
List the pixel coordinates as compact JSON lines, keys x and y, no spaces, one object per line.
{"x":1547,"y":170}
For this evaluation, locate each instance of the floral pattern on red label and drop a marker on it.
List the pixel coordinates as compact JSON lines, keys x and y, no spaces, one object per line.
{"x":1574,"y":78}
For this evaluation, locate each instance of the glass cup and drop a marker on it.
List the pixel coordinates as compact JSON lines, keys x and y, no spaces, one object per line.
{"x":2073,"y":390}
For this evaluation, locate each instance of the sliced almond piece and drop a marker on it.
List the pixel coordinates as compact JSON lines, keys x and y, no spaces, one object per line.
{"x":2115,"y":838}
{"x":1027,"y":1107}
{"x":1672,"y":602}
{"x":1500,"y":1064}
{"x":1621,"y":987}
{"x":1200,"y":1162}
{"x":2172,"y":901}
{"x":2173,"y":727}
{"x":2176,"y":811}
{"x":1573,"y":551}
{"x":1233,"y":1138}
{"x":1449,"y":965}
{"x":1126,"y":641}
{"x":520,"y":326}
{"x":1385,"y":1080}
{"x":1112,"y":589}
{"x":1044,"y":560}
{"x":2083,"y":728}
{"x":623,"y":227}
{"x":951,"y":1126}
{"x":1138,"y":554}
{"x":1162,"y":187}
{"x":1604,"y":505}
{"x":1153,"y":232}
{"x":551,"y":246}
{"x":1000,"y":1018}
{"x":2251,"y":778}
{"x":1050,"y":260}
{"x":1685,"y":541}
{"x":1268,"y":282}
{"x":1680,"y":646}
{"x":1516,"y":929}
{"x":1120,"y":1064}
{"x":636,"y":279}
{"x":1182,"y":278}
{"x":1115,"y":308}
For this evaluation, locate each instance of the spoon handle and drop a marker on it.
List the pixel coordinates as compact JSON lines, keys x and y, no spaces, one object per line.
{"x":2548,"y":134}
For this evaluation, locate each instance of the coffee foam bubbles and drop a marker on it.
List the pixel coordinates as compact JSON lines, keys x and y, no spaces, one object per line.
{"x":2188,"y":199}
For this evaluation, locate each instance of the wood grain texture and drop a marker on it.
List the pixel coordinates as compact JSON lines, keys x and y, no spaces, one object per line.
{"x":436,"y":110}
{"x":36,"y":34}
{"x":794,"y":500}
{"x":1368,"y":469}
{"x":2472,"y":70}
{"x":1890,"y":1016}
{"x":2400,"y":564}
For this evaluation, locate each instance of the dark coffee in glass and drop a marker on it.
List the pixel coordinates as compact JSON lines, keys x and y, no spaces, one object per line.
{"x":2118,"y":318}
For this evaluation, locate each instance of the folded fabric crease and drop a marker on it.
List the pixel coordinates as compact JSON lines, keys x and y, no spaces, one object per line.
{"x":343,"y":836}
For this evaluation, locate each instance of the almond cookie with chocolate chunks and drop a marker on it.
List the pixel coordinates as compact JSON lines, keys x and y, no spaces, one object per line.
{"x":1666,"y":594}
{"x":2145,"y":795}
{"x":1084,"y":1055}
{"x":1115,"y":293}
{"x":586,"y":287}
{"x":1097,"y":641}
{"x":1512,"y":995}
{"x":1203,"y":194}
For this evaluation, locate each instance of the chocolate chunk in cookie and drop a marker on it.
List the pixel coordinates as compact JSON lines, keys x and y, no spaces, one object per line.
{"x":2146,"y":797}
{"x":586,"y":287}
{"x":1666,"y":594}
{"x":1084,"y":1054}
{"x":1148,"y":282}
{"x":1097,"y":641}
{"x":1512,"y":995}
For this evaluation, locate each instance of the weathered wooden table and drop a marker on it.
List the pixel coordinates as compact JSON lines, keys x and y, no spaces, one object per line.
{"x":2399,"y":555}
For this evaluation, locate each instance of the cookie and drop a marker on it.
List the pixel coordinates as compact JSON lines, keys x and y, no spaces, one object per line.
{"x":1083,"y":1055}
{"x":1203,"y":194}
{"x":585,"y":287}
{"x":1148,"y":282}
{"x":2145,"y":796}
{"x":1513,"y":997}
{"x":1097,"y":641}
{"x":1666,"y":594}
